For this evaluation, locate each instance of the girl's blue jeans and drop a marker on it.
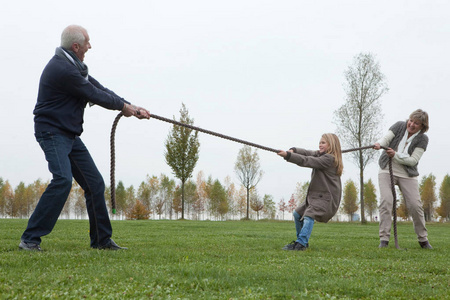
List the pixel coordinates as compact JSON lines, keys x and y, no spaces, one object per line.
{"x":303,"y":227}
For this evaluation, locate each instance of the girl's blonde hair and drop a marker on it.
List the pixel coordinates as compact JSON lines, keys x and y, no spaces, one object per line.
{"x":335,"y":150}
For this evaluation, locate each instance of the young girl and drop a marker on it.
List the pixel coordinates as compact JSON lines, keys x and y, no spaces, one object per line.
{"x":324,"y":192}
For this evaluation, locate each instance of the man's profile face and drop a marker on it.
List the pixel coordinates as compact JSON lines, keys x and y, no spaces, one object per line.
{"x":80,"y":50}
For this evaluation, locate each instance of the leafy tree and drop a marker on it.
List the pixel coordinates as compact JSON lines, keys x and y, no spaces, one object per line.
{"x":428,"y":195}
{"x":402,"y":209}
{"x":166,"y":190}
{"x":144,"y":194}
{"x":242,"y":201}
{"x":176,"y":201}
{"x":199,"y":206}
{"x":35,"y":191}
{"x":301,"y":191}
{"x":121,"y":198}
{"x":8,"y":195}
{"x":138,"y":212}
{"x":247,"y":168}
{"x":349,"y":204}
{"x":282,"y":207}
{"x":269,"y":206}
{"x":69,"y":202}
{"x":79,"y":200}
{"x":292,"y":204}
{"x":158,"y":194}
{"x":255,"y":203}
{"x":154,"y":185}
{"x":218,"y":197}
{"x":190,"y":191}
{"x":182,"y":147}
{"x":208,"y":190}
{"x":159,"y":206}
{"x":232,"y":196}
{"x":130,"y":196}
{"x":444,"y":193}
{"x":19,"y":204}
{"x":370,"y":198}
{"x":359,"y":119}
{"x":2,"y":197}
{"x":108,"y":197}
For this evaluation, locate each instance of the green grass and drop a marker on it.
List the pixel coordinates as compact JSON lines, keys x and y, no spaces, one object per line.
{"x":224,"y":260}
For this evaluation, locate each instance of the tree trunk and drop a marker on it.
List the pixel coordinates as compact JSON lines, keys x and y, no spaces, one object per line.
{"x":361,"y":183}
{"x":182,"y":200}
{"x":248,"y":202}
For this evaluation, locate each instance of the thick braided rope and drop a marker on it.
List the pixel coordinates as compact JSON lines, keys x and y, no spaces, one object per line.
{"x":113,"y":131}
{"x":214,"y":133}
{"x":359,"y":148}
{"x":113,"y":163}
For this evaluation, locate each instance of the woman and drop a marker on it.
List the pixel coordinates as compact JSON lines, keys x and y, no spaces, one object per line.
{"x":406,"y":142}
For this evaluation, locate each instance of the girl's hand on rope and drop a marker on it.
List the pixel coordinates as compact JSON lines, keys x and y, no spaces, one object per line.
{"x":282,"y":153}
{"x":377,"y":146}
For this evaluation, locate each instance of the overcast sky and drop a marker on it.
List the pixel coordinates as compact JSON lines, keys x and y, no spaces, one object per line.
{"x":271,"y":72}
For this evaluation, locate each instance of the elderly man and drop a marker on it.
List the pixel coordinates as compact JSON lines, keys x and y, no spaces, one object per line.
{"x":65,"y":88}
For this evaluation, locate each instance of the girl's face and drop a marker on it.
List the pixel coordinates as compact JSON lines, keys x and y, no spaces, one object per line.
{"x":323,"y":146}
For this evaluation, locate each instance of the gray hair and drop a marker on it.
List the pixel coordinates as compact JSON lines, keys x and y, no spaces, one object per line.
{"x":72,"y":34}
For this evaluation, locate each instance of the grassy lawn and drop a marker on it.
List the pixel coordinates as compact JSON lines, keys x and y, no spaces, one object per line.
{"x":224,"y":260}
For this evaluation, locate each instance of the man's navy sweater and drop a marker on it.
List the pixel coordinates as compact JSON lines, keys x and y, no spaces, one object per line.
{"x":63,"y":94}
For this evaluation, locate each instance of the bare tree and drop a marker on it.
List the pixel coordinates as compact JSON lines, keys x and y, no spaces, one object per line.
{"x":247,"y":169}
{"x":359,"y":119}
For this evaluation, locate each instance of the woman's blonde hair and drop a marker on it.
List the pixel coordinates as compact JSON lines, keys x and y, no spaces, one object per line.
{"x":421,"y":116}
{"x":335,"y":150}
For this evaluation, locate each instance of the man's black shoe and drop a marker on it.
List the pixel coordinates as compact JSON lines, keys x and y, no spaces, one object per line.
{"x":29,"y":246}
{"x":112,"y":246}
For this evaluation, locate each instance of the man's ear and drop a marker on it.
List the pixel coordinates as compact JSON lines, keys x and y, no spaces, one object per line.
{"x":75,"y":47}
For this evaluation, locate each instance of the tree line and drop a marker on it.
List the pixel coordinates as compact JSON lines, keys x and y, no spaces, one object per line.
{"x":209,"y":199}
{"x":156,"y":197}
{"x":428,"y":195}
